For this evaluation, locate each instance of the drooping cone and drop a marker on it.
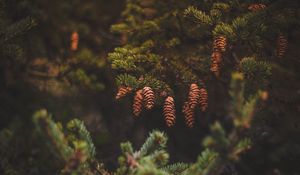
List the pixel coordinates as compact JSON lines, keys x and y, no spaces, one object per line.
{"x":282,"y":44}
{"x":188,"y":115}
{"x":74,"y":41}
{"x":123,"y":91}
{"x":149,"y":97}
{"x":256,"y":7}
{"x":216,"y":59}
{"x":169,"y":111}
{"x":220,"y":43}
{"x":137,"y":103}
{"x":194,"y":95}
{"x":203,"y":100}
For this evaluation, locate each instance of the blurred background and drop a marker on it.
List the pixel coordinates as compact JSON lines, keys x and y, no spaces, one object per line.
{"x":40,"y":69}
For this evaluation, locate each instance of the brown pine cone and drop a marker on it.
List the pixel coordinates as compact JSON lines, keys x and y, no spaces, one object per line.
{"x":123,"y":91}
{"x":256,"y":7}
{"x":169,"y":111}
{"x":282,"y":44}
{"x":216,"y":59}
{"x":220,"y":43}
{"x":188,"y":115}
{"x":149,"y":97}
{"x":74,"y":41}
{"x":194,"y":94}
{"x":203,"y":99}
{"x":137,"y":103}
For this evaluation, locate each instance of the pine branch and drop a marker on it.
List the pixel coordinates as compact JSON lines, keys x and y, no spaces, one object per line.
{"x":199,"y":16}
{"x":17,"y":29}
{"x":205,"y":162}
{"x":160,"y":158}
{"x":156,"y":141}
{"x":53,"y":133}
{"x":77,"y":127}
{"x":176,"y":168}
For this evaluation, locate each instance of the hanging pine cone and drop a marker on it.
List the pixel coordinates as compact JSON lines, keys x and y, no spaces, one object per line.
{"x":188,"y":115}
{"x":194,"y":95}
{"x":282,"y":44}
{"x":74,"y":41}
{"x":256,"y":7}
{"x":137,"y":103}
{"x":203,"y":99}
{"x":123,"y":91}
{"x":169,"y":111}
{"x":220,"y":43}
{"x":148,"y":96}
{"x":216,"y":59}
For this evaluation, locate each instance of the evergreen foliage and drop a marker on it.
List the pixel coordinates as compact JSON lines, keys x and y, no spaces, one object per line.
{"x":78,"y":151}
{"x":75,"y":149}
{"x":193,"y":25}
{"x":228,"y":69}
{"x":176,"y":49}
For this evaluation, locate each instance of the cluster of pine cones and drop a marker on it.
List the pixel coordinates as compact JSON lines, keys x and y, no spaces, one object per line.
{"x":220,"y":43}
{"x":282,"y":42}
{"x":196,"y":96}
{"x":145,"y":98}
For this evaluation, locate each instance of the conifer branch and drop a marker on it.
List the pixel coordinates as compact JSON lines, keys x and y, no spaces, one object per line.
{"x":53,"y":133}
{"x":77,"y":127}
{"x":156,"y":140}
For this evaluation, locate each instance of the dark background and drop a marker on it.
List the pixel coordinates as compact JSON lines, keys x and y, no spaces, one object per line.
{"x":29,"y":81}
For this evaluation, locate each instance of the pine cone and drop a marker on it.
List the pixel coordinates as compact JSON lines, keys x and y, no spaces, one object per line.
{"x":216,"y":59}
{"x":169,"y":111}
{"x":148,"y":96}
{"x":137,"y":103}
{"x":123,"y":91}
{"x":74,"y":41}
{"x":194,"y":95}
{"x":220,"y":43}
{"x":256,"y":7}
{"x":282,"y":44}
{"x":188,"y":115}
{"x":203,"y":99}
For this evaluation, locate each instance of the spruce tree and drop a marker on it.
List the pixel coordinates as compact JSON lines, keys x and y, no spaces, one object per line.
{"x":227,"y":70}
{"x":171,"y":47}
